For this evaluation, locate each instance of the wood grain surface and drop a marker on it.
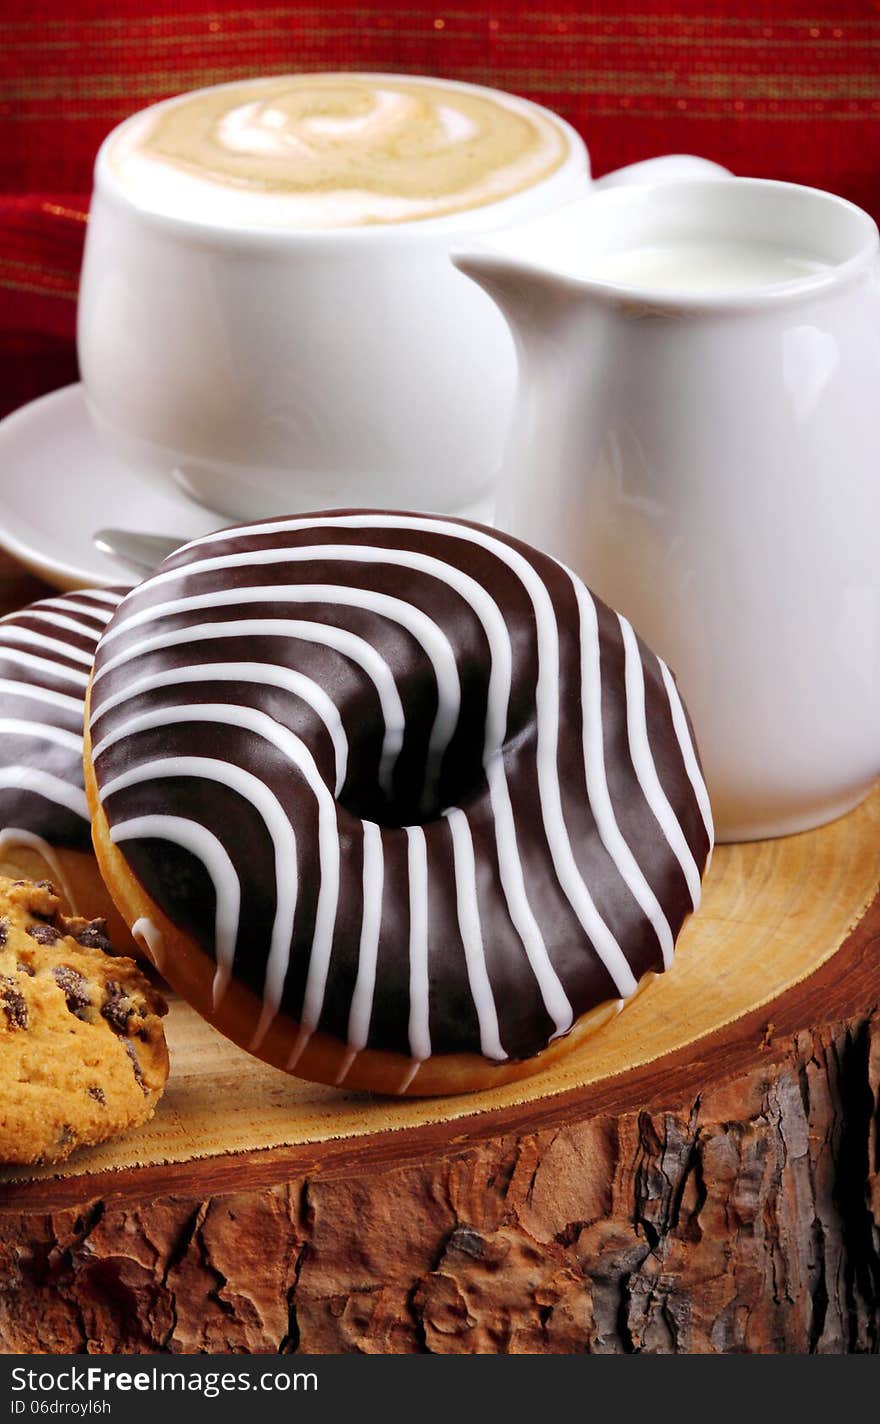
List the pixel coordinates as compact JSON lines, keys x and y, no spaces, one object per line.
{"x":773,"y":912}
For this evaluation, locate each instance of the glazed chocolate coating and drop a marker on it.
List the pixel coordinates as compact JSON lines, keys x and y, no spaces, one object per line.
{"x":46,"y":651}
{"x":577,"y":845}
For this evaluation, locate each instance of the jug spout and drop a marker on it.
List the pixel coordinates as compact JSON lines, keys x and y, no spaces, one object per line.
{"x":526,"y":291}
{"x":534,"y":269}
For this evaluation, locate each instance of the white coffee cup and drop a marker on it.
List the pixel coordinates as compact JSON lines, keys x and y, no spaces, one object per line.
{"x":265,"y":370}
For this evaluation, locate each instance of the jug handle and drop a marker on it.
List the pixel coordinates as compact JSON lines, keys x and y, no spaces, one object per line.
{"x":669,"y":168}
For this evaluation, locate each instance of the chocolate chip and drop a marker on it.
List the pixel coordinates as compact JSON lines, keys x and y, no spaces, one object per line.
{"x":468,"y":1241}
{"x":75,"y":989}
{"x":46,"y":885}
{"x":117,"y":1008}
{"x":93,"y":936}
{"x":4,"y":932}
{"x":44,"y":934}
{"x":135,"y":1063}
{"x":14,"y":1005}
{"x":98,"y":1094}
{"x":27,"y":969}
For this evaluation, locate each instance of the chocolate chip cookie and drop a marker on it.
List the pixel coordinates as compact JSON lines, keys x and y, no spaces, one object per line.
{"x":82,"y":1050}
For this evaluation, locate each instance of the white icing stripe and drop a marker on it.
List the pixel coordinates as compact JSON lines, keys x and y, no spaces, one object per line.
{"x":597,"y":781}
{"x":103,"y":595}
{"x":16,"y":634}
{"x":41,"y":731}
{"x":300,"y":1043}
{"x":468,"y":588}
{"x":432,"y":640}
{"x":14,"y":836}
{"x":555,"y":999}
{"x":32,"y":707}
{"x":549,"y":788}
{"x":417,"y":864}
{"x":358,"y":650}
{"x":570,"y":879}
{"x":295,"y":750}
{"x":280,"y":831}
{"x":201,"y":843}
{"x":44,"y":666}
{"x":101,"y":615}
{"x":255,"y":674}
{"x":58,"y":620}
{"x":447,"y":574}
{"x":688,"y":751}
{"x":361,"y":1010}
{"x":43,"y":783}
{"x":348,"y":1057}
{"x":643,"y":760}
{"x":32,"y":690}
{"x":149,"y":937}
{"x":510,"y":873}
{"x":495,"y":628}
{"x":408,"y":1077}
{"x":496,"y":725}
{"x":468,"y":908}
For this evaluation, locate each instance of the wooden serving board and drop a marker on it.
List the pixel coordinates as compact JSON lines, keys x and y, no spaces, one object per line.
{"x":700,"y":1175}
{"x":772,"y":913}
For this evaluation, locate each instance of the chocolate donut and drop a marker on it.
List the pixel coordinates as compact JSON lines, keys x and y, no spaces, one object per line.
{"x":46,"y":653}
{"x":391,"y":798}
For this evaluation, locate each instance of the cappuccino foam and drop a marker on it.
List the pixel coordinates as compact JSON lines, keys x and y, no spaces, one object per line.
{"x":333,"y":150}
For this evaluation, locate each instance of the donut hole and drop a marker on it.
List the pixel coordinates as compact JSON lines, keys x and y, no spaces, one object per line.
{"x":417,"y":797}
{"x":420,"y":789}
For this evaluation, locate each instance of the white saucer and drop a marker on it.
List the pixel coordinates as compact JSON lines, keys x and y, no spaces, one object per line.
{"x":58,"y":486}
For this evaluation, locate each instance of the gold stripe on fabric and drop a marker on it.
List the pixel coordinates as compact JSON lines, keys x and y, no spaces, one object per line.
{"x":707,"y":21}
{"x":61,"y":274}
{"x":501,"y":40}
{"x":662,"y":83}
{"x":253,"y":33}
{"x":689,"y":41}
{"x":430,"y":12}
{"x":10,"y":284}
{"x":595,"y":111}
{"x":292,"y":12}
{"x":59,"y":211}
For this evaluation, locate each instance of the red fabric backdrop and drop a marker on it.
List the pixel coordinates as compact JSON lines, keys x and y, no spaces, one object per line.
{"x":785,"y":88}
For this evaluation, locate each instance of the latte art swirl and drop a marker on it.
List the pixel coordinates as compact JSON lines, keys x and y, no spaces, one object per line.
{"x":329,"y":150}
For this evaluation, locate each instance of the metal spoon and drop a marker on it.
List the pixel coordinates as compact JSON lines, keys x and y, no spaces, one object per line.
{"x":141,"y":551}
